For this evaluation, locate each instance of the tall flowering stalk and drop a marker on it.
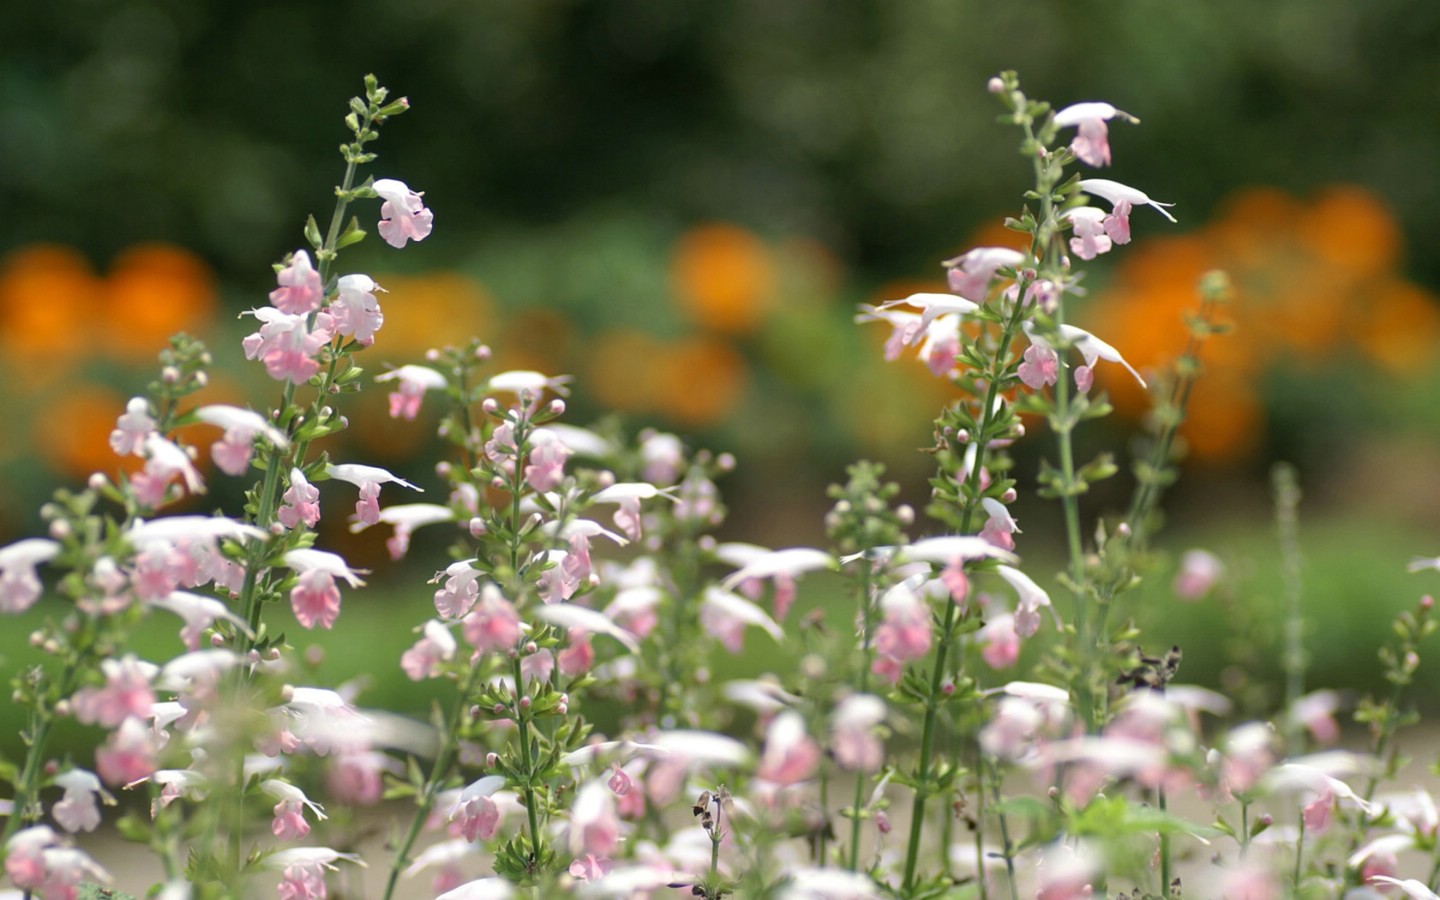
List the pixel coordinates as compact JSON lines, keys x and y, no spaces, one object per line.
{"x":1001,"y":297}
{"x":217,"y":573}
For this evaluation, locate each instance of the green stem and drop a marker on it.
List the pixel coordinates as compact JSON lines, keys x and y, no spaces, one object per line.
{"x":1287,"y":500}
{"x":923,"y":787}
{"x":1299,"y":850}
{"x":1164,"y":848}
{"x":527,"y":760}
{"x":867,"y":572}
{"x":449,"y":743}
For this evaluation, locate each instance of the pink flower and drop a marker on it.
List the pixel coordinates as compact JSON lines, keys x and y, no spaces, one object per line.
{"x":970,"y":273}
{"x":1032,"y":597}
{"x":620,"y":782}
{"x":25,"y":855}
{"x":627,"y":495}
{"x":132,"y":428}
{"x":232,"y":453}
{"x":302,"y":502}
{"x":1041,"y":366}
{"x":20,"y":586}
{"x":403,"y":215}
{"x":1090,"y":239}
{"x":474,"y":812}
{"x":1316,"y":711}
{"x":1122,"y":198}
{"x":79,"y":809}
{"x":303,"y":870}
{"x":1248,"y":755}
{"x":1011,"y":730}
{"x":126,"y":693}
{"x":590,"y":868}
{"x":790,"y":755}
{"x":726,"y":615}
{"x":853,"y":737}
{"x":164,"y":460}
{"x":316,"y":596}
{"x":461,"y":588}
{"x":287,"y":344}
{"x":368,"y":479}
{"x":315,"y":599}
{"x":355,"y":777}
{"x":1092,"y":140}
{"x":436,"y":646}
{"x":493,"y":624}
{"x":662,"y":456}
{"x":904,"y":634}
{"x":300,"y":291}
{"x":594,"y":825}
{"x":932,"y":308}
{"x":546,"y":467}
{"x":579,"y":657}
{"x":1000,"y":642}
{"x":129,"y":754}
{"x":1199,"y":572}
{"x":414,"y":382}
{"x":199,"y":613}
{"x":1000,"y":526}
{"x":289,"y":822}
{"x":356,"y":311}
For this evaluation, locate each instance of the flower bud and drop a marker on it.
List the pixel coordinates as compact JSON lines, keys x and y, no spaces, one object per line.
{"x":490,"y":406}
{"x":498,"y":709}
{"x":483,"y":352}
{"x":477,"y":527}
{"x":60,"y":529}
{"x":1009,"y":496}
{"x":202,"y":379}
{"x":432,"y":355}
{"x":905,"y":513}
{"x":531,"y":647}
{"x":1427,"y":602}
{"x":995,"y":85}
{"x":217,"y":640}
{"x":492,"y":760}
{"x":525,"y":702}
{"x":725,"y":462}
{"x":62,"y":708}
{"x":170,"y":374}
{"x":1123,"y":529}
{"x":557,"y":407}
{"x":97,"y":481}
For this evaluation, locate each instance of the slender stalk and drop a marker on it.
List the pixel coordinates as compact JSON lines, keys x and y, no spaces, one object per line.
{"x":867,"y":573}
{"x":449,"y":742}
{"x":1287,"y":500}
{"x":923,"y":786}
{"x":527,"y":759}
{"x":1164,"y":847}
{"x":1299,"y":850}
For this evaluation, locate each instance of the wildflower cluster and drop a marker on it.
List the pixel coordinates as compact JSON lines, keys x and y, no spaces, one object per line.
{"x":586,"y":741}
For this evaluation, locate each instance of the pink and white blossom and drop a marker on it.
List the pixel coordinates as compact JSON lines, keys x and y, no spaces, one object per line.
{"x":233,"y":451}
{"x":129,"y":754}
{"x":1200,"y":571}
{"x":126,"y":692}
{"x":414,"y":381}
{"x":356,"y":311}
{"x":1092,"y":138}
{"x":20,"y":585}
{"x":403,"y":216}
{"x":288,"y":345}
{"x":79,"y":809}
{"x":790,"y":756}
{"x":1032,"y":597}
{"x":854,"y":741}
{"x":475,"y":814}
{"x":436,"y":645}
{"x":289,"y":822}
{"x":301,"y":502}
{"x":493,"y":623}
{"x":132,"y":429}
{"x":300,"y":291}
{"x":726,"y":615}
{"x":970,"y":273}
{"x":368,"y":479}
{"x":1117,"y":194}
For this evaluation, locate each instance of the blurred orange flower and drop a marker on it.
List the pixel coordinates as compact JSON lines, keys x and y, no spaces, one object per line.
{"x":724,"y":277}
{"x":1314,"y":286}
{"x":153,"y":291}
{"x":49,"y":297}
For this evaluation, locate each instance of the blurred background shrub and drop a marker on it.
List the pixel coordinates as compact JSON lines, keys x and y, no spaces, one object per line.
{"x":682,"y":202}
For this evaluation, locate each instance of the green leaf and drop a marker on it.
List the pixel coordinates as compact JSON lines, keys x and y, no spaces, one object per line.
{"x":353,"y":234}
{"x":312,"y":233}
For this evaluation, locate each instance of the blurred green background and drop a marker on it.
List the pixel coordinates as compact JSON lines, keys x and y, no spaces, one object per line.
{"x":681,"y":203}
